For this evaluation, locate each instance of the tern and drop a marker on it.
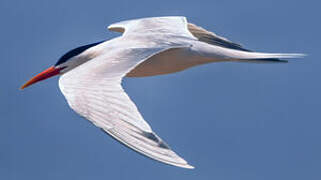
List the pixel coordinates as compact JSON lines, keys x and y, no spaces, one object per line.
{"x":91,"y":75}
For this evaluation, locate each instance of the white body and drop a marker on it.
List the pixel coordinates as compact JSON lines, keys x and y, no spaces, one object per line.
{"x":150,"y":46}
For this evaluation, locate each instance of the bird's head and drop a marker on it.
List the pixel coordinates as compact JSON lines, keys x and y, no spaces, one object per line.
{"x":67,"y":62}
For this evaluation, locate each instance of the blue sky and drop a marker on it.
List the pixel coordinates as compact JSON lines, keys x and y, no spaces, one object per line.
{"x":229,"y":120}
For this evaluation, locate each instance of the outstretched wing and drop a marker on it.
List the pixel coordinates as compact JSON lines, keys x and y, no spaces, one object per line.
{"x":209,"y":37}
{"x":94,"y":91}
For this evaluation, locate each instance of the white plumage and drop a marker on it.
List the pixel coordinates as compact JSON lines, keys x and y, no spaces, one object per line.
{"x":91,"y":80}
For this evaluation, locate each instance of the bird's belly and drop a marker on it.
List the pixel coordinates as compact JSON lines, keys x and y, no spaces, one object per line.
{"x":169,"y":61}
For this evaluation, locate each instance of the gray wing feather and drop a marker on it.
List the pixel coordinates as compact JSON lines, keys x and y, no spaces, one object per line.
{"x":211,"y":38}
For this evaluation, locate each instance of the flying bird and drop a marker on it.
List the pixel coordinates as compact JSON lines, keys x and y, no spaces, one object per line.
{"x":91,"y":75}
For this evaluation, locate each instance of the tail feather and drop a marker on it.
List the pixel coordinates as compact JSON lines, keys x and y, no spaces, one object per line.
{"x":263,"y":61}
{"x":218,"y":53}
{"x":256,"y":57}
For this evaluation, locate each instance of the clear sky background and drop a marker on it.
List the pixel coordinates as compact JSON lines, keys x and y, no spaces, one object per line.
{"x":230,"y":120}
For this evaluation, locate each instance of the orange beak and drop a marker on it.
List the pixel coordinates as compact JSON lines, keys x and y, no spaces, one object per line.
{"x":50,"y":72}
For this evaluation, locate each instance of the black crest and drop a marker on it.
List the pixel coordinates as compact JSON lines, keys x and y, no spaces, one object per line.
{"x":75,"y":52}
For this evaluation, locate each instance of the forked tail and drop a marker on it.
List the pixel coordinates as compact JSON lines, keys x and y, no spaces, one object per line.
{"x":255,"y":57}
{"x":226,"y":54}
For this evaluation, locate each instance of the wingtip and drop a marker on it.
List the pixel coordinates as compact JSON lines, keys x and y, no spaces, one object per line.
{"x":187,"y":166}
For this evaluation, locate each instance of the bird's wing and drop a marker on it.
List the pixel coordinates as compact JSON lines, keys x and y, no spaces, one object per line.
{"x":175,"y":25}
{"x":94,"y":91}
{"x":211,"y":38}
